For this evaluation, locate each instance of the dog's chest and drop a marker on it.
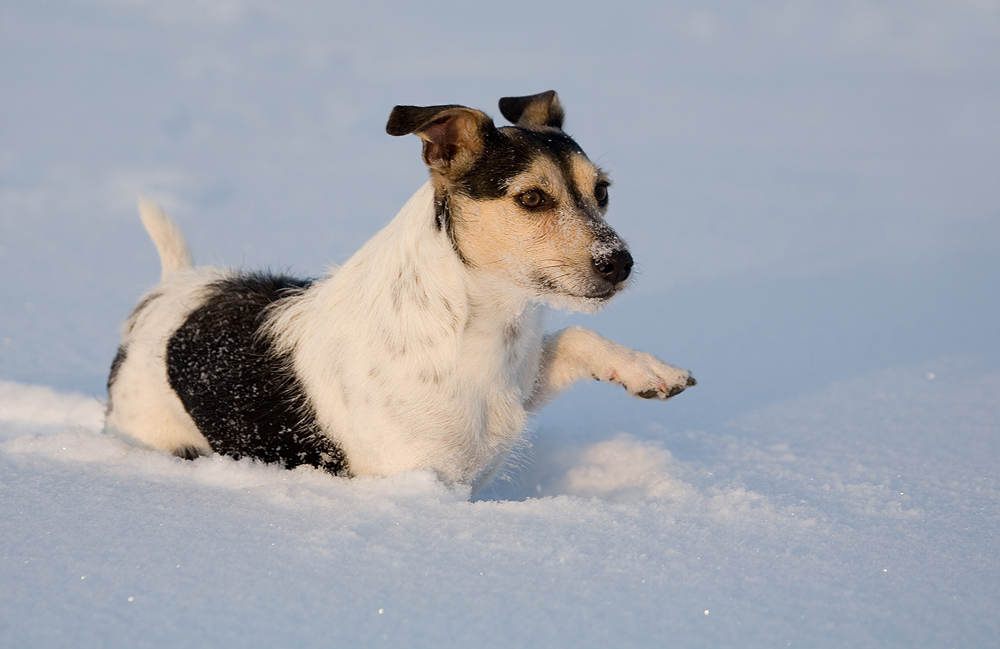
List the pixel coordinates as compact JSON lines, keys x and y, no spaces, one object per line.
{"x":457,"y":406}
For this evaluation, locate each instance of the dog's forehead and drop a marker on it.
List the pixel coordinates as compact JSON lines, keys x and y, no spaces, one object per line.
{"x":511,"y":150}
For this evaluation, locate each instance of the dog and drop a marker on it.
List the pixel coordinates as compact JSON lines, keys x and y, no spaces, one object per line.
{"x":425,"y":350}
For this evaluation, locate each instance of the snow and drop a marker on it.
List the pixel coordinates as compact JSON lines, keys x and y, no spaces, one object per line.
{"x":808,"y":188}
{"x":792,"y":527}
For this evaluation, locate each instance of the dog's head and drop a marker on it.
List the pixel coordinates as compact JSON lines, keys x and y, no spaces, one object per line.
{"x":521,"y":202}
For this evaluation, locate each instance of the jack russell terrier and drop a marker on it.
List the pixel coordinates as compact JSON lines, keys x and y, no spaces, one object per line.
{"x":426,"y":349}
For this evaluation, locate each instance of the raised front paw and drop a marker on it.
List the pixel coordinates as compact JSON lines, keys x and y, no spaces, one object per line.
{"x":647,"y":377}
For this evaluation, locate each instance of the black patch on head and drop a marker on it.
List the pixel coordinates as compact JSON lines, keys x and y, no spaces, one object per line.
{"x":509,"y":151}
{"x":242,"y":394}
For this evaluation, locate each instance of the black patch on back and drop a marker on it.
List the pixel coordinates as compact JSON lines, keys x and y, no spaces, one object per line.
{"x":241,"y":393}
{"x":507,"y":152}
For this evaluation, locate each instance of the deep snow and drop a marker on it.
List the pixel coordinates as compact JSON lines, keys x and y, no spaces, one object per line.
{"x":809,"y":189}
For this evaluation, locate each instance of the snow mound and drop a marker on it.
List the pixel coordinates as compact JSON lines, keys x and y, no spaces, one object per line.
{"x":625,"y":469}
{"x":813,"y":520}
{"x":42,"y":409}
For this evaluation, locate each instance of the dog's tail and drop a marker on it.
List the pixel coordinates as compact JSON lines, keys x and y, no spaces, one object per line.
{"x":166,"y":236}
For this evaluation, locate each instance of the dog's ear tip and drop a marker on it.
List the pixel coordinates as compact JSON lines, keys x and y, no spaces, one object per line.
{"x":397,"y":124}
{"x":542,"y":109}
{"x":404,"y":120}
{"x":522,"y":100}
{"x":446,"y":130}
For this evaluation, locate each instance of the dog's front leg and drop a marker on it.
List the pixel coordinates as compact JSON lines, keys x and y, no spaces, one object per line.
{"x":577,"y":353}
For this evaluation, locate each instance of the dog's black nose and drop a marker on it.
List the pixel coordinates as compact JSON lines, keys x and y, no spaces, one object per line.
{"x":616,"y":267}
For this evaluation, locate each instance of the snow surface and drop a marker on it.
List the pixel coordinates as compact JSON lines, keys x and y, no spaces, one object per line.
{"x":809,"y":189}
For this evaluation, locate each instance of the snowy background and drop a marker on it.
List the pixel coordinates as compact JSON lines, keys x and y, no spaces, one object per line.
{"x":811,"y":192}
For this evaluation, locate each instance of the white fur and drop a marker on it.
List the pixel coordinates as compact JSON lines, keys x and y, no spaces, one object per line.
{"x":144,"y":408}
{"x":167,"y":237}
{"x":410,"y":358}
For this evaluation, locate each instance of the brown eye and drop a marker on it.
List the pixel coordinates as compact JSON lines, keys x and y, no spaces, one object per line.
{"x":601,"y":193}
{"x":531,"y":199}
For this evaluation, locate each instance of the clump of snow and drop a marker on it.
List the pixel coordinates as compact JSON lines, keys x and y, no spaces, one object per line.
{"x":624,"y":469}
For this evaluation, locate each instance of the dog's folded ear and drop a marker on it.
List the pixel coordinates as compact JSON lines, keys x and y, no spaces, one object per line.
{"x":542,"y":109}
{"x":453,"y":135}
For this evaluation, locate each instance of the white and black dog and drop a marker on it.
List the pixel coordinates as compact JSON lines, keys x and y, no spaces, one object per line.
{"x":425,"y":349}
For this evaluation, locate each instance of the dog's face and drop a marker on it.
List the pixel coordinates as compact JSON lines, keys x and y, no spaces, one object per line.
{"x":523,"y":202}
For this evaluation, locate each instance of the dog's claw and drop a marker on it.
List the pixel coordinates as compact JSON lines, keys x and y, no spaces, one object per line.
{"x":663,"y":392}
{"x":674,"y":391}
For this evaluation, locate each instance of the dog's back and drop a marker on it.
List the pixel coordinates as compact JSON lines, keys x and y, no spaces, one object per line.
{"x":227,"y":387}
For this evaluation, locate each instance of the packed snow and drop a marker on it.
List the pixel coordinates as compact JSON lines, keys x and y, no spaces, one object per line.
{"x":809,"y":190}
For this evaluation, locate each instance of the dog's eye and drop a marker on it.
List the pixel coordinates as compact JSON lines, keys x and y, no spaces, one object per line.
{"x":531,"y":199}
{"x":601,"y":193}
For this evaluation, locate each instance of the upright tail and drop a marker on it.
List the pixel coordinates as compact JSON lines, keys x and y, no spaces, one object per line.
{"x":166,"y":236}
